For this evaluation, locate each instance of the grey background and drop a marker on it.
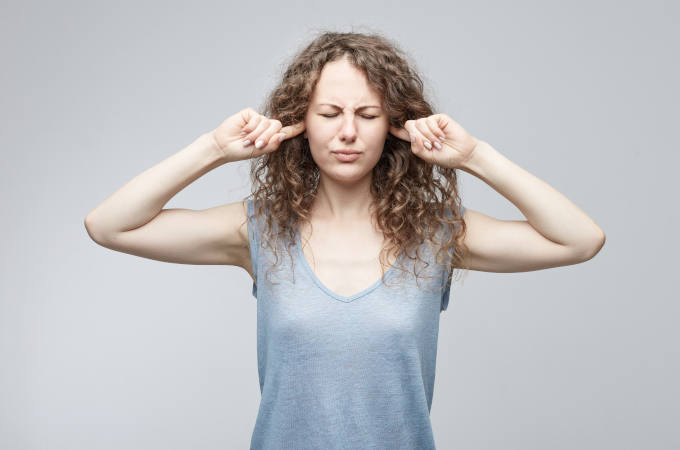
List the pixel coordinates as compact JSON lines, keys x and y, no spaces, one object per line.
{"x":104,"y":350}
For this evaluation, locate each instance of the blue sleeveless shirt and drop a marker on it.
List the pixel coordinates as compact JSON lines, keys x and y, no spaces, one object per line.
{"x":340,"y":372}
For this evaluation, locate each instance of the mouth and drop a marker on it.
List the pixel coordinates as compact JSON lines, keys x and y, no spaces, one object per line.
{"x":346,"y":155}
{"x":347,"y":152}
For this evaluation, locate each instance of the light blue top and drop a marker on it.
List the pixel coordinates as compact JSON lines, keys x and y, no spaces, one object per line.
{"x":342,"y":372}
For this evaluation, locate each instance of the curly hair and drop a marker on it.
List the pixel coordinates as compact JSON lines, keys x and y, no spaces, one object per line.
{"x":411,"y":199}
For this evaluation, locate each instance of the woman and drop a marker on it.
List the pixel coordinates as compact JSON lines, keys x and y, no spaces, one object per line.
{"x":355,"y":176}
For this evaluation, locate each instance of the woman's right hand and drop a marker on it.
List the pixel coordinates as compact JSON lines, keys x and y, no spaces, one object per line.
{"x":249,"y":125}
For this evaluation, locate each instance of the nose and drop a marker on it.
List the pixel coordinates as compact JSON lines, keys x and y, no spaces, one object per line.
{"x":348,"y":132}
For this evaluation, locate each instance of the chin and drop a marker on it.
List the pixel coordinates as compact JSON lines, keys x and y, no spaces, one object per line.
{"x":347,"y":174}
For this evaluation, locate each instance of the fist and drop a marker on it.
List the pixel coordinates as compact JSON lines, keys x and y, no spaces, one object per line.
{"x":248,"y":134}
{"x":438,"y":139}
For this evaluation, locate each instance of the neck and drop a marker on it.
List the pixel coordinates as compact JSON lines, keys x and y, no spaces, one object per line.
{"x":343,"y":202}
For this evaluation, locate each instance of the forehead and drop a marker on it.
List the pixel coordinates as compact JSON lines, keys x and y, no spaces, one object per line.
{"x":342,"y":84}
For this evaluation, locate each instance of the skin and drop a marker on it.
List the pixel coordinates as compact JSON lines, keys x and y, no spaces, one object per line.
{"x":557,"y":232}
{"x":344,"y":245}
{"x":345,"y":241}
{"x":344,"y":187}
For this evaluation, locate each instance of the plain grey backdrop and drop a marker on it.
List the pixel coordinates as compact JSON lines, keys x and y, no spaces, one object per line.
{"x":104,"y":350}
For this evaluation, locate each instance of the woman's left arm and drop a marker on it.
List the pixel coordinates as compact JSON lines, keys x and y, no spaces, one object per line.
{"x":557,"y":232}
{"x":548,"y":211}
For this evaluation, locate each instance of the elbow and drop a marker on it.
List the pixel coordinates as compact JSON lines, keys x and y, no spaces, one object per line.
{"x":93,"y":232}
{"x":594,"y":246}
{"x":90,"y":229}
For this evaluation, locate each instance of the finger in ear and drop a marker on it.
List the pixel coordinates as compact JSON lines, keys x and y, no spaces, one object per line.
{"x":400,"y":133}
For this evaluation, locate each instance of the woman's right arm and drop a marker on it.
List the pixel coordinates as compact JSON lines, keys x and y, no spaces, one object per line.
{"x":132,"y":220}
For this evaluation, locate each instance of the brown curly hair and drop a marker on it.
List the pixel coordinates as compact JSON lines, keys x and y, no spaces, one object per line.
{"x":412,"y":199}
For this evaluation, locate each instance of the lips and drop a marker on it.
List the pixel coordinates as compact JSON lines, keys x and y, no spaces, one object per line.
{"x":346,"y":156}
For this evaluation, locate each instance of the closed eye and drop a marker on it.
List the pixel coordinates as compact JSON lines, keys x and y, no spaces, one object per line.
{"x":333,"y":115}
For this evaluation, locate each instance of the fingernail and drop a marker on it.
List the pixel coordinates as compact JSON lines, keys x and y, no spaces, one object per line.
{"x":243,"y":133}
{"x":428,"y":145}
{"x":279,"y":139}
{"x":246,"y":143}
{"x":438,"y":145}
{"x":258,"y":143}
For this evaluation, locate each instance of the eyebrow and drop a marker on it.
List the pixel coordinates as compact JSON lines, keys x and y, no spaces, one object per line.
{"x":360,"y":107}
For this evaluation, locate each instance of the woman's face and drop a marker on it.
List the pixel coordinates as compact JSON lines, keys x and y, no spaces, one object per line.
{"x":345,"y":114}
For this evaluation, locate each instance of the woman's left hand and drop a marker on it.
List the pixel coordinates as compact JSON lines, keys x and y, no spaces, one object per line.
{"x":457,"y":145}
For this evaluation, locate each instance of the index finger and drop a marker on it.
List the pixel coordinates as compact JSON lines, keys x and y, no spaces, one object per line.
{"x":401,"y":133}
{"x":290,"y":131}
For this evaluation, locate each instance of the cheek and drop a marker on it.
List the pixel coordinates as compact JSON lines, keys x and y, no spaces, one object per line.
{"x":378,"y":138}
{"x":314,"y":130}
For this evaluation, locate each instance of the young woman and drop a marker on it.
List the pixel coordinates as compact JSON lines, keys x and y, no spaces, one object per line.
{"x":354,"y":176}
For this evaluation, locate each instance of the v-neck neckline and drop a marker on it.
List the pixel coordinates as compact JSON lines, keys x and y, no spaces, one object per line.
{"x":324,"y":288}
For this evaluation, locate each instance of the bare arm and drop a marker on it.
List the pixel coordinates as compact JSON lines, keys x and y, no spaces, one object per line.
{"x":142,"y":198}
{"x":132,"y":220}
{"x":557,"y":232}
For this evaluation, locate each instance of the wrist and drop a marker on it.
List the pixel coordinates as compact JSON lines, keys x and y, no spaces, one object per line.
{"x":478,"y":158}
{"x":211,"y":148}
